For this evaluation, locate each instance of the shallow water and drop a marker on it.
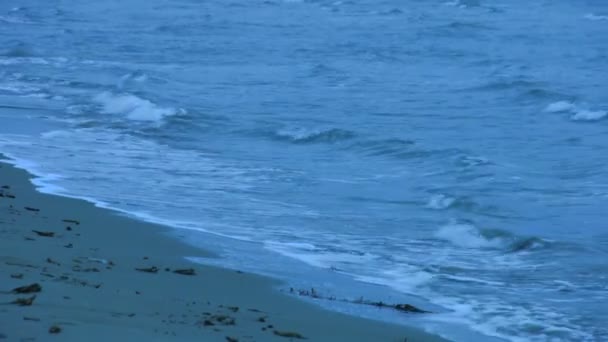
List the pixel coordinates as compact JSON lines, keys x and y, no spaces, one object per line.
{"x":454,"y":151}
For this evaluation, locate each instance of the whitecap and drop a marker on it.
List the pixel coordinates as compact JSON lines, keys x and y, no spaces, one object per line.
{"x":134,"y":108}
{"x":10,"y":19}
{"x":474,"y":280}
{"x":134,"y":77}
{"x":560,"y":107}
{"x":589,"y":115}
{"x":55,"y":134}
{"x":564,"y":286}
{"x":440,"y":202}
{"x":303,"y":135}
{"x":595,"y":17}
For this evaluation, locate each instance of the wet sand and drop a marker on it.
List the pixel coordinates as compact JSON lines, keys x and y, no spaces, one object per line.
{"x":102,"y":276}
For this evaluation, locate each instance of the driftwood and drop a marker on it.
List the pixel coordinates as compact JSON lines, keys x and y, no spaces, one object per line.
{"x":407,"y":308}
{"x":71,"y":221}
{"x":288,"y":334}
{"x":186,"y":271}
{"x":152,"y":269}
{"x":45,"y":234}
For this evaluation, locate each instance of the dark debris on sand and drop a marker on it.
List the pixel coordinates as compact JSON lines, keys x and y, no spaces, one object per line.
{"x":33,"y":288}
{"x":54,"y":329}
{"x":152,"y":269}
{"x":289,"y":334}
{"x":407,"y":308}
{"x":24,"y":301}
{"x":185,"y":271}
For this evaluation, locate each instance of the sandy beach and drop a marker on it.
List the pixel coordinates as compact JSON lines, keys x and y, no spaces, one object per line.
{"x":73,"y":272}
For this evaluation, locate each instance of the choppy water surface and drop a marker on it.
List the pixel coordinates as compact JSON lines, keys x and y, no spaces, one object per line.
{"x":456,"y":151}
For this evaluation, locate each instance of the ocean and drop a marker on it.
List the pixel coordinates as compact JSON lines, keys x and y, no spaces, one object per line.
{"x":453,"y":154}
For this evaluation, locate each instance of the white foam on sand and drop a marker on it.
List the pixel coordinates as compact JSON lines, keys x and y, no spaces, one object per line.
{"x":316,"y":256}
{"x":43,"y":182}
{"x":493,"y":318}
{"x":134,"y":108}
{"x":396,"y":279}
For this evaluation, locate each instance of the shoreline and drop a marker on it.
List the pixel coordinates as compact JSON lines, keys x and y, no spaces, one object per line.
{"x":140,"y":285}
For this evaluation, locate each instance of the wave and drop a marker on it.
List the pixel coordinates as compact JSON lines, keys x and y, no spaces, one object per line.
{"x":507,"y":84}
{"x":560,"y":107}
{"x":19,"y":89}
{"x":462,"y":3}
{"x":134,"y":108}
{"x":469,"y":236}
{"x":577,"y":113}
{"x":136,"y":77}
{"x":467,"y":26}
{"x":19,"y":50}
{"x":527,"y":243}
{"x":308,"y":136}
{"x":12,"y":19}
{"x":589,"y":115}
{"x":440,"y":202}
{"x":443,"y":201}
{"x":595,"y":17}
{"x":13,"y":60}
{"x":386,"y":147}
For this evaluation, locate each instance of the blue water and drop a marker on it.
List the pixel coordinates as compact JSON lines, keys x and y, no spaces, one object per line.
{"x":455,"y":152}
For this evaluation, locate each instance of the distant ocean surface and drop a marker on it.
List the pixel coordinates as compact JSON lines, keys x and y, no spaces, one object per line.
{"x":453,"y":154}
